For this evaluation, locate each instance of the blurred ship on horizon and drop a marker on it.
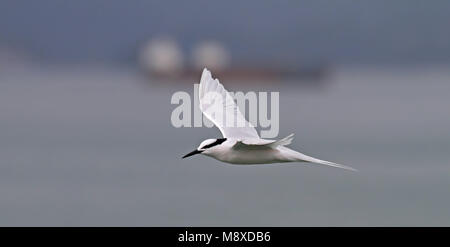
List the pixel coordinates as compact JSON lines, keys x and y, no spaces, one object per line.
{"x":163,"y":59}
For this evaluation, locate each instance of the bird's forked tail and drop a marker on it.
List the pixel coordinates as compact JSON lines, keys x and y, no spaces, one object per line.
{"x":306,"y":158}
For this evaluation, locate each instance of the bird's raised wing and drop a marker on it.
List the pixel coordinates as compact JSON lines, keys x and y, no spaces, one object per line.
{"x":219,"y":107}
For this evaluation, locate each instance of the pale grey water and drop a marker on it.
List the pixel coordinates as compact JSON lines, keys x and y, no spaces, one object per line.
{"x":94,"y":147}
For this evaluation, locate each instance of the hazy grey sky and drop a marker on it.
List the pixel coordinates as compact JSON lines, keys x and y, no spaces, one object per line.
{"x":96,"y":148}
{"x":280,"y":31}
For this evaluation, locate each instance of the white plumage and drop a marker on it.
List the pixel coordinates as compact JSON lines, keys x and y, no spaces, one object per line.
{"x":241,"y":143}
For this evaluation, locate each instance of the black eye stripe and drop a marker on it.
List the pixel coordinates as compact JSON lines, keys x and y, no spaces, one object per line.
{"x":217,"y":142}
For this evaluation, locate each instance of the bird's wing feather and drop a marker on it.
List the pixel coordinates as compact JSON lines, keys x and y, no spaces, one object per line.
{"x":219,"y":107}
{"x":262,"y":143}
{"x":253,"y":144}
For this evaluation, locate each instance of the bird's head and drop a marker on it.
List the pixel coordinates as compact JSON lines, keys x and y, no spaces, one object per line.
{"x":207,"y":146}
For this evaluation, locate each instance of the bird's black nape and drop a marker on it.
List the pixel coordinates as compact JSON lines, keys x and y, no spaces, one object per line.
{"x":217,"y":142}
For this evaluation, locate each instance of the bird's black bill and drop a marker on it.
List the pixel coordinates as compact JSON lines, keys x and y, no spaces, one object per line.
{"x":191,"y":153}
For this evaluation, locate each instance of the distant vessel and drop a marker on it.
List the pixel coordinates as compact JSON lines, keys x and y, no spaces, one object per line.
{"x":163,"y":59}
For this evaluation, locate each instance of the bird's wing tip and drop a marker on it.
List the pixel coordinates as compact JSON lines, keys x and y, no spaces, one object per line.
{"x":206,"y":71}
{"x":206,"y":75}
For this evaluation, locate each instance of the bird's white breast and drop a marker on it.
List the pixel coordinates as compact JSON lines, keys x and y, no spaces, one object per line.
{"x":226,"y":153}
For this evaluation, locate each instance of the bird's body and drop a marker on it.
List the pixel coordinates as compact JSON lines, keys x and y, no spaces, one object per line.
{"x":252,"y":156}
{"x":264,"y":155}
{"x":241,"y":143}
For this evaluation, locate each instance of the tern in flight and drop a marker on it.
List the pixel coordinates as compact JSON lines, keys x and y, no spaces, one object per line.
{"x":241,"y":143}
